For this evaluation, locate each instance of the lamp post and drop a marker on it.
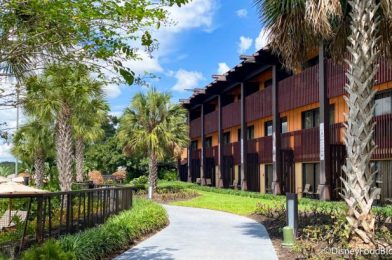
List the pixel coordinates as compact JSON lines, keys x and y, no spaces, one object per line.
{"x":290,"y":231}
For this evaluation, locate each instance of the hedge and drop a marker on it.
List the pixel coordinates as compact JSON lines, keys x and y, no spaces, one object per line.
{"x":119,"y":232}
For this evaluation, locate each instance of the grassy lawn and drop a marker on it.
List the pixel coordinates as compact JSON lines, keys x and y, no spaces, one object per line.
{"x":223,"y":202}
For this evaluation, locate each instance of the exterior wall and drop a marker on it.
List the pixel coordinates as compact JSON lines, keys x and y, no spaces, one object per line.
{"x":236,"y":174}
{"x":267,"y":75}
{"x":262,"y":178}
{"x":214,"y":138}
{"x":294,"y":117}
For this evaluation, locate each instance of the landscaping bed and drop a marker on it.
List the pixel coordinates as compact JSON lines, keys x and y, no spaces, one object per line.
{"x":117,"y":234}
{"x":321,"y":224}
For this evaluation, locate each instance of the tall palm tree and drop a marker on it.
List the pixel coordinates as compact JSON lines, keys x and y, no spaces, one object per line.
{"x":155,"y":126}
{"x":87,"y":128}
{"x":364,"y":30}
{"x":55,"y":97}
{"x":34,"y":143}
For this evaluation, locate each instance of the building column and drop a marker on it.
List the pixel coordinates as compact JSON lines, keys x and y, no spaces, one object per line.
{"x":189,"y":148}
{"x":244,"y":185}
{"x":202,"y":159}
{"x":220,"y":143}
{"x":276,"y":156}
{"x":325,"y":157}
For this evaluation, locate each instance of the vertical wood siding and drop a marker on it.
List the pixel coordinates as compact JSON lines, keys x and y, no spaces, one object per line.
{"x":299,"y":90}
{"x":195,"y":128}
{"x":231,"y":115}
{"x":265,"y":149}
{"x":211,"y":122}
{"x":259,"y":104}
{"x":383,"y":137}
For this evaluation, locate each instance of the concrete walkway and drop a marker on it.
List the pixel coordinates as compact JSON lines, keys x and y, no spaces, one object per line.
{"x":205,"y":234}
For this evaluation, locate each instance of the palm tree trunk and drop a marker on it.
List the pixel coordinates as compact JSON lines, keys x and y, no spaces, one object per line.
{"x":39,"y":167}
{"x":64,"y":148}
{"x":153,"y":171}
{"x":79,"y":159}
{"x":359,"y":192}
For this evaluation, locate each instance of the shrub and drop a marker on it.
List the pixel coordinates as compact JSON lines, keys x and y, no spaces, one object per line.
{"x":49,"y":250}
{"x":96,"y":177}
{"x":140,"y":181}
{"x":121,"y":174}
{"x":169,"y":175}
{"x":117,"y":233}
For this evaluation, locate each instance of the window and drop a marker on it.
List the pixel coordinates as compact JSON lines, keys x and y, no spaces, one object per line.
{"x":250,"y":132}
{"x":194,"y":145}
{"x":284,"y":127}
{"x":383,"y":103}
{"x":310,"y":118}
{"x":268,"y":178}
{"x":268,"y":83}
{"x":208,"y":142}
{"x":226,"y":138}
{"x":268,"y":128}
{"x":311,"y":176}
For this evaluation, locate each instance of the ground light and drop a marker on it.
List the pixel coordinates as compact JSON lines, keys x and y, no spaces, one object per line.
{"x":290,"y":231}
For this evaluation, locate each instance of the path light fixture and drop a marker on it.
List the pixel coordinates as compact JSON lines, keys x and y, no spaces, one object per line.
{"x":290,"y":231}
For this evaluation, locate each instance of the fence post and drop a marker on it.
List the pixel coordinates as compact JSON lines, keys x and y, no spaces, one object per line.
{"x":39,"y":227}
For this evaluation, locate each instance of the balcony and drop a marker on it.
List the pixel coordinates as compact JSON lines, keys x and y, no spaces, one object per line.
{"x":265,"y":149}
{"x":196,"y":154}
{"x":259,"y":104}
{"x":231,"y":115}
{"x":211,"y":122}
{"x":212,"y":152}
{"x":195,"y":128}
{"x":383,"y":137}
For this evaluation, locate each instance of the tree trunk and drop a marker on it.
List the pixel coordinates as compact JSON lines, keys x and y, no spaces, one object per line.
{"x":153,"y":171}
{"x":39,"y":168}
{"x":64,"y":148}
{"x":359,"y":190}
{"x":79,"y":158}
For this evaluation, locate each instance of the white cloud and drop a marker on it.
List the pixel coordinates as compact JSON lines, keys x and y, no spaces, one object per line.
{"x":112,"y":91}
{"x":198,"y":13}
{"x":222,"y":68}
{"x":244,"y":44}
{"x":144,"y":63}
{"x":187,"y":80}
{"x":262,"y":40}
{"x":242,"y":13}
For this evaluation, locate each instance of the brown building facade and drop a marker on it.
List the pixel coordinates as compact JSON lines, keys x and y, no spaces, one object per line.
{"x":262,"y":128}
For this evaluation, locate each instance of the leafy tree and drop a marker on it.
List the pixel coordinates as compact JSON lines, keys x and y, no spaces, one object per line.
{"x":364,"y":30}
{"x":154,"y":126}
{"x":33,"y":143}
{"x":56,"y":96}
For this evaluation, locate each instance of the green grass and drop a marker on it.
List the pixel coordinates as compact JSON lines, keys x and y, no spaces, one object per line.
{"x":223,"y":202}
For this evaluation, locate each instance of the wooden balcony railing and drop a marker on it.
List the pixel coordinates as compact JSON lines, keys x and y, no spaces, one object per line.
{"x":212,"y":152}
{"x":259,"y":104}
{"x":195,"y":128}
{"x":227,"y":149}
{"x":252,"y":146}
{"x":231,"y":115}
{"x":336,"y":133}
{"x":237,"y":152}
{"x":196,"y":154}
{"x":287,"y":141}
{"x":383,"y":137}
{"x":265,"y":149}
{"x":211,"y":122}
{"x":307,"y":145}
{"x":299,"y":90}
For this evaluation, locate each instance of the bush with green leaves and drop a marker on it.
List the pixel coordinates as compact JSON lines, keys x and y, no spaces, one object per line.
{"x":139,"y":182}
{"x":49,"y":250}
{"x":168,"y":175}
{"x":119,"y":232}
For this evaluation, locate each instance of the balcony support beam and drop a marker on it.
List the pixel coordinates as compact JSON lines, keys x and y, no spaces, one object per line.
{"x":220,"y":143}
{"x":189,"y":149}
{"x":325,"y":157}
{"x":203,"y":150}
{"x":276,"y":125}
{"x":244,"y":153}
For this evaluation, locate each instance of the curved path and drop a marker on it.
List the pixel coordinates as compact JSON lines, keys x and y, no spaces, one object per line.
{"x":205,"y":234}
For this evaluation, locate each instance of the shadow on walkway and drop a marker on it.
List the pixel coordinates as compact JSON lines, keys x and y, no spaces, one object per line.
{"x":147,"y":253}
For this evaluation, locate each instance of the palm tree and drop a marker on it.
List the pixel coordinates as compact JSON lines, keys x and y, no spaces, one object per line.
{"x":363,"y":29}
{"x":55,"y":97}
{"x":87,"y":128}
{"x":155,"y":126}
{"x":34,"y":143}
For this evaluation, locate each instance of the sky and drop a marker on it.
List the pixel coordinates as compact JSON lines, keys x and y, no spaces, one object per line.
{"x":206,"y":37}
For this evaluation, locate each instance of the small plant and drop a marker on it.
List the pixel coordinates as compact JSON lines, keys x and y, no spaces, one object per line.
{"x":121,"y":174}
{"x":169,"y":175}
{"x":49,"y":250}
{"x":139,"y":182}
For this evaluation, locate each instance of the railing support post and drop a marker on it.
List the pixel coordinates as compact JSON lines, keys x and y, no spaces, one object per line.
{"x":220,"y":143}
{"x":276,"y":134}
{"x":325,"y":157}
{"x":244,"y":139}
{"x":203,"y":150}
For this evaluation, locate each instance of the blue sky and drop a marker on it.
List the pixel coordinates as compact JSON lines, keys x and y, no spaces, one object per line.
{"x":208,"y":37}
